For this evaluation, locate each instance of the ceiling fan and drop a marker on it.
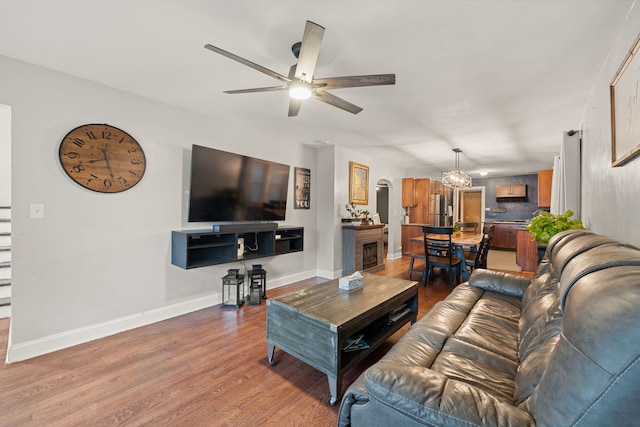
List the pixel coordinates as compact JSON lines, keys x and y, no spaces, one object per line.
{"x":301,"y":82}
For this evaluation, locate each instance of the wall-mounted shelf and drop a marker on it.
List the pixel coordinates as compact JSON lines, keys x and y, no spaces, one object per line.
{"x":201,"y":248}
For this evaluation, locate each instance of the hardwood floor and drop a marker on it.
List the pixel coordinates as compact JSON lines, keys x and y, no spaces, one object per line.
{"x":207,"y":368}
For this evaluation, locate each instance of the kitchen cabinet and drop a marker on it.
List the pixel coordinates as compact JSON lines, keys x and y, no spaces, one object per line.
{"x":511,"y":190}
{"x":504,"y":236}
{"x":544,"y":188}
{"x":408,"y":193}
{"x":420,"y":213}
{"x":418,"y":198}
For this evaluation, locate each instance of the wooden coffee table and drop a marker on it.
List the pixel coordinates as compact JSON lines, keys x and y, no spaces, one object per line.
{"x":312,"y":323}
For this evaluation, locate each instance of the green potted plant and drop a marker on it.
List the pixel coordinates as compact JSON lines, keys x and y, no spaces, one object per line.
{"x":545,"y":225}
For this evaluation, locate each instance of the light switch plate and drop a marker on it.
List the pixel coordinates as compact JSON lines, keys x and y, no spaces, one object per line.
{"x":36,"y":211}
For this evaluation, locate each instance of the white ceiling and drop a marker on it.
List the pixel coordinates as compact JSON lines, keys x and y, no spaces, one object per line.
{"x":500,"y":79}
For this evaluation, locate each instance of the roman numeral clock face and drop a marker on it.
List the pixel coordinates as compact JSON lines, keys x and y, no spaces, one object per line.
{"x":102,"y":158}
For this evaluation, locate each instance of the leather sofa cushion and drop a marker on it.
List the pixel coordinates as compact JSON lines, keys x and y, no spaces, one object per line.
{"x":471,"y":338}
{"x":404,"y":395}
{"x":493,"y":325}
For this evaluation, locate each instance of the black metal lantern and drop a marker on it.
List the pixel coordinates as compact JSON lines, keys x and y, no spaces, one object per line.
{"x":255,"y":297}
{"x":232,"y":289}
{"x":258,"y":278}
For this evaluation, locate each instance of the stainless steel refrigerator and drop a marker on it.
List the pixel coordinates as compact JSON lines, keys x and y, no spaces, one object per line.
{"x":440,"y":212}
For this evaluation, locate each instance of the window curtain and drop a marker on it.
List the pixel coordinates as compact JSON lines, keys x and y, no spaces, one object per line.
{"x":565,"y":184}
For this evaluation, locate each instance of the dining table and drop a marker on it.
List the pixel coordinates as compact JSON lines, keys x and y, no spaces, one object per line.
{"x":461,"y":241}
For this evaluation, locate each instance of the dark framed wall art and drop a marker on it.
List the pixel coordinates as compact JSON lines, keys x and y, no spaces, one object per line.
{"x":302,"y":183}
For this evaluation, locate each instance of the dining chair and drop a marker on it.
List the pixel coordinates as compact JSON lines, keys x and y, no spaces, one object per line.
{"x":440,"y":253}
{"x":488,"y":229}
{"x":478,"y":259}
{"x":412,"y":259}
{"x":467,"y":227}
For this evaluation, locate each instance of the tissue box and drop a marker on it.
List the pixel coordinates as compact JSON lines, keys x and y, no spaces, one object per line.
{"x":350,"y":282}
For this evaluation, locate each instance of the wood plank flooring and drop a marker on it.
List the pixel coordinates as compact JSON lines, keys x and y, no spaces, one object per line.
{"x":207,"y":368}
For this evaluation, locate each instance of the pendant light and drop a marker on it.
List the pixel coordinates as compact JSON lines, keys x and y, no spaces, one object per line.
{"x":456,"y":178}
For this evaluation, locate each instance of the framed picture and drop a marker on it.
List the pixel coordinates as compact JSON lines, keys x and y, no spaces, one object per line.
{"x":302,"y":183}
{"x":625,"y":109}
{"x":358,"y":184}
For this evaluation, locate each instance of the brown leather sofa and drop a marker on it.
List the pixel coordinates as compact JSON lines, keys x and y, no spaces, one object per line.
{"x":561,"y":349}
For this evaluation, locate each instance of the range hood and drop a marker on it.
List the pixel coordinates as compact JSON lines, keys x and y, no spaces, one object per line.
{"x":511,"y":193}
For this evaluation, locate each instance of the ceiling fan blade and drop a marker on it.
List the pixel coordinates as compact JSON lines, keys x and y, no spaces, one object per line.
{"x":331,"y":99}
{"x":248,"y":63}
{"x":355,"y":81}
{"x":257,"y":89}
{"x":294,"y":106}
{"x":309,"y":50}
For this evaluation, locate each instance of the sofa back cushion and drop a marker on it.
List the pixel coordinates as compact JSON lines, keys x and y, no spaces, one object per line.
{"x":589,"y":373}
{"x":541,"y":320}
{"x":542,"y":293}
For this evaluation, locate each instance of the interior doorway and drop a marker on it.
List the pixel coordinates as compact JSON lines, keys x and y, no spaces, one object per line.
{"x":471,"y":205}
{"x":382,"y":210}
{"x":382,"y":202}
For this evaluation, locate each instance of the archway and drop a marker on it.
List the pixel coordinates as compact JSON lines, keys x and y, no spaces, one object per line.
{"x":383,"y":209}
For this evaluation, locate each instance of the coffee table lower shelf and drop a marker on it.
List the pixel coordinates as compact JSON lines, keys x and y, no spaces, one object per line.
{"x":294,"y":326}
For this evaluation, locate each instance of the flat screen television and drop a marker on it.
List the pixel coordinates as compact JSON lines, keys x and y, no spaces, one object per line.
{"x":229,"y":187}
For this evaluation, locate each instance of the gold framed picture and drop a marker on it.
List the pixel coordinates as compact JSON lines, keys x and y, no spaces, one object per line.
{"x":358,"y":184}
{"x":625,"y":109}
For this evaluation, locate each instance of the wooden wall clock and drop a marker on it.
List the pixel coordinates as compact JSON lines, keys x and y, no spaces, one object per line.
{"x":102,"y":158}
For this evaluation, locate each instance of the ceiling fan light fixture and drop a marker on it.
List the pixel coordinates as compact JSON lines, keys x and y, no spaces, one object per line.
{"x":300,"y":90}
{"x":456,"y":178}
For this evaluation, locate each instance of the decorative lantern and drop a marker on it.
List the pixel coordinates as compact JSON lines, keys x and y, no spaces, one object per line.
{"x":258,"y":278}
{"x":254,"y":294}
{"x":232,"y":289}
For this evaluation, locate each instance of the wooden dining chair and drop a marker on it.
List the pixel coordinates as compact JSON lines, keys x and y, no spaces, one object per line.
{"x":478,"y":259}
{"x":468,"y":227}
{"x":488,"y":230}
{"x":440,"y":253}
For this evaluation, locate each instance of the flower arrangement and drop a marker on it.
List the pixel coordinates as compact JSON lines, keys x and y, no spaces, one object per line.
{"x":355,"y":212}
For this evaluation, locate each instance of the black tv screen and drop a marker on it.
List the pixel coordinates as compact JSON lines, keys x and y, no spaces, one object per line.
{"x":232,"y":187}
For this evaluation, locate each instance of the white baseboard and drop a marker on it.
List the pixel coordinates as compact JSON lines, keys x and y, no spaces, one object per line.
{"x":62,"y":340}
{"x":394,"y":255}
{"x":285,"y":280}
{"x":59,"y":341}
{"x":328,"y":274}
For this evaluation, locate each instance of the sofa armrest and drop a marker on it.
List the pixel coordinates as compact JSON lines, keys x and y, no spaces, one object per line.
{"x":426,"y":397}
{"x":497,"y":281}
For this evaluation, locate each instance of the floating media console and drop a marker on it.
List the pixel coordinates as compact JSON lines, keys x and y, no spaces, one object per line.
{"x":200,"y":248}
{"x":244,"y":228}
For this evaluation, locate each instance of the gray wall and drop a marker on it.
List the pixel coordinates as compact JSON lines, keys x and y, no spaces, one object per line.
{"x":100,"y":263}
{"x":610,"y":196}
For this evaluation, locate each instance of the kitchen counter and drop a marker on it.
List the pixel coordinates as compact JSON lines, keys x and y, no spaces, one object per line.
{"x":409,"y":231}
